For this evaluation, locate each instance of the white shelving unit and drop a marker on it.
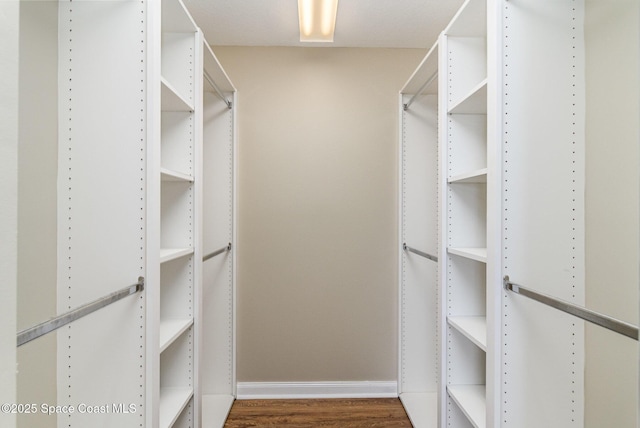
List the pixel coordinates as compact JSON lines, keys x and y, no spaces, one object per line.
{"x":190,"y":327}
{"x":418,"y":275}
{"x":510,"y":104}
{"x":464,"y":213}
{"x":218,"y":380}
{"x":123,"y":109}
{"x":180,"y":206}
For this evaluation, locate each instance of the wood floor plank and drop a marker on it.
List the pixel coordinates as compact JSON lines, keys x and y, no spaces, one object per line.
{"x":328,"y":413}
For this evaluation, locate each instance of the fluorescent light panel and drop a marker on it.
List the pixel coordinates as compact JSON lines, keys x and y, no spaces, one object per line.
{"x":317,"y":20}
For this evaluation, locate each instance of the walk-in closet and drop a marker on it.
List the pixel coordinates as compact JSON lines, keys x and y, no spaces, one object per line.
{"x":206,"y":202}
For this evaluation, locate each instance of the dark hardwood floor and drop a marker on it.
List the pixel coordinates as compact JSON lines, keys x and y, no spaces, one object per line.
{"x":343,"y":413}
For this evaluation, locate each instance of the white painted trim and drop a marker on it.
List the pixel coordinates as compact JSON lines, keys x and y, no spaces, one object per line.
{"x":234,"y":240}
{"x":282,"y":390}
{"x":401,"y":241}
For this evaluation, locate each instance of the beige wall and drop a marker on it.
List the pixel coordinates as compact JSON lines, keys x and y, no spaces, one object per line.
{"x":317,"y":216}
{"x":612,"y":199}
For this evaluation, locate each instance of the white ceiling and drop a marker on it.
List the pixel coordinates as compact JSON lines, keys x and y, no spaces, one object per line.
{"x":360,"y":23}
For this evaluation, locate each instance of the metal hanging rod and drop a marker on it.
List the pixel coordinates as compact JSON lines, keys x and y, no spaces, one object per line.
{"x":217,"y":252}
{"x":602,"y":320}
{"x":431,"y":79}
{"x":420,"y":253}
{"x":215,"y":88}
{"x":29,"y":334}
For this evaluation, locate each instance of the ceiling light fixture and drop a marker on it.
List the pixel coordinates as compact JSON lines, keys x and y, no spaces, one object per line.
{"x":317,"y":20}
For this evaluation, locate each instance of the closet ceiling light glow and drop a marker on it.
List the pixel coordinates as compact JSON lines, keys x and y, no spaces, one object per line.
{"x":317,"y":20}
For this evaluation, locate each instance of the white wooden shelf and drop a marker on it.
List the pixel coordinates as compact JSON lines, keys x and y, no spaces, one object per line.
{"x":169,"y":175}
{"x":171,"y":100}
{"x":473,"y":328}
{"x":422,"y":408}
{"x":477,"y":176}
{"x":172,"y":403}
{"x":474,"y":103}
{"x":171,"y":329}
{"x":477,"y":254}
{"x":215,"y":409}
{"x":168,"y":254}
{"x":471,"y":399}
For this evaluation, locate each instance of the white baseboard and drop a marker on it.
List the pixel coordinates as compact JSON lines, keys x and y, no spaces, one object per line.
{"x":292,"y":390}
